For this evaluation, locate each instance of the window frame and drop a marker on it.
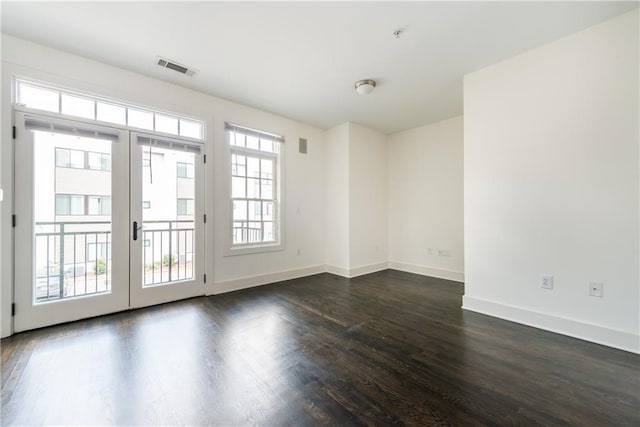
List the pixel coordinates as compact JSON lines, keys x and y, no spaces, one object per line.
{"x":231,"y":249}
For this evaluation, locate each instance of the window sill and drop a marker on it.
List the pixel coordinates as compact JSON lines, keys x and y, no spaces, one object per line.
{"x":248,"y":250}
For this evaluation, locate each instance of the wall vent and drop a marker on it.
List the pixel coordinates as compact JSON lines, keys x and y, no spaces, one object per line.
{"x":172,"y":65}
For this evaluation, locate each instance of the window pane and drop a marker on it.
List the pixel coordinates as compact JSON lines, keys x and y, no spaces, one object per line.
{"x":140,"y":119}
{"x":190,"y":129}
{"x":239,"y":233}
{"x":181,"y":170}
{"x":253,"y":167}
{"x":95,"y":161}
{"x":238,"y":187}
{"x":239,"y":210}
{"x":112,"y":113}
{"x":77,"y":106}
{"x":238,"y":165}
{"x":253,"y":188}
{"x":253,"y":142}
{"x":35,"y":97}
{"x":182,"y":206}
{"x":93,"y":205}
{"x":63,"y":158}
{"x":63,"y":205}
{"x":184,"y":170}
{"x":267,"y":211}
{"x":255,"y":232}
{"x":105,"y":206}
{"x":255,"y":209}
{"x":77,"y":205}
{"x":166,"y":124}
{"x":267,"y":188}
{"x":266,"y":168}
{"x":269,"y":233}
{"x":266,"y":145}
{"x":236,"y":139}
{"x":185,"y":206}
{"x":77,"y":159}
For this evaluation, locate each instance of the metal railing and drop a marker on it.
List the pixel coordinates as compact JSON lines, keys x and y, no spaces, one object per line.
{"x":65,"y":265}
{"x":74,"y":258}
{"x":167,"y":251}
{"x":247,"y":235}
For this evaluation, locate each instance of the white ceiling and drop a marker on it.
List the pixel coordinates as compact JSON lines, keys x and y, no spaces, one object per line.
{"x":302,"y":59}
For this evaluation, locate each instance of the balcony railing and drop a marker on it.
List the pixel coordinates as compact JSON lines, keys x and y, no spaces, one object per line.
{"x":74,"y":258}
{"x":167,"y":251}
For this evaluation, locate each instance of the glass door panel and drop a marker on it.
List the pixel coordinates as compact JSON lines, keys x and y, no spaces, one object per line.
{"x":67,"y":232}
{"x":166,"y":197}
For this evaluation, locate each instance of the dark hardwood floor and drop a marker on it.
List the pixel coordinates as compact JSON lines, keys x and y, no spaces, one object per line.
{"x":386,"y":348}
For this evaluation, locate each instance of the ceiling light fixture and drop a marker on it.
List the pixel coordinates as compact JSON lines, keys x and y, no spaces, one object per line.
{"x":364,"y":87}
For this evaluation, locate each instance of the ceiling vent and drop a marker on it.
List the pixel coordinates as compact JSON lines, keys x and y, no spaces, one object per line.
{"x":172,"y":65}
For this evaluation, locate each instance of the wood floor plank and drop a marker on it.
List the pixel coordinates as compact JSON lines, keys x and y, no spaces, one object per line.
{"x":389,"y":348}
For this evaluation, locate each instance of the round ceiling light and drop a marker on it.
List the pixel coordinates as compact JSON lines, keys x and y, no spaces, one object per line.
{"x":364,"y":87}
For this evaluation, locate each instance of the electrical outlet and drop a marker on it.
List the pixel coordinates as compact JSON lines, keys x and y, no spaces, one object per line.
{"x":596,"y":289}
{"x":546,"y":282}
{"x":444,"y":252}
{"x":430,"y":251}
{"x":298,"y":251}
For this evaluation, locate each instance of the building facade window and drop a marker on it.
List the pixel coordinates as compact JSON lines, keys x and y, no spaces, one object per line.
{"x":255,"y":162}
{"x":185,"y":206}
{"x":79,"y":204}
{"x":78,"y":159}
{"x":68,"y":204}
{"x":184,"y":170}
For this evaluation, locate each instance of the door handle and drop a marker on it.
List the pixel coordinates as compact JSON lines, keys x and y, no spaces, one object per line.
{"x":135,"y":230}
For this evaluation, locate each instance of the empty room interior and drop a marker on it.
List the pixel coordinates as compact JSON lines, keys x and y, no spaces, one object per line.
{"x":320,"y":213}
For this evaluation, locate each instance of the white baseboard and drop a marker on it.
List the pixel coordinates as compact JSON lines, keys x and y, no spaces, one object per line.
{"x":367,"y":269}
{"x":338,"y":271}
{"x":263,"y":279}
{"x":622,"y":340}
{"x":350,"y":273}
{"x":440,"y":273}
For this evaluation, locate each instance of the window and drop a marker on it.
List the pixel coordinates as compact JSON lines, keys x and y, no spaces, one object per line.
{"x":67,"y":204}
{"x":99,"y":161}
{"x":41,"y":97}
{"x":66,"y":158}
{"x":78,"y":159}
{"x":99,"y":205}
{"x":185,"y":206}
{"x":184,"y":170}
{"x":255,"y":196}
{"x":77,"y":204}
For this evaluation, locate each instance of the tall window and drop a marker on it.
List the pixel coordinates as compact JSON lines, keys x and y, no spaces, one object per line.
{"x":255,"y":195}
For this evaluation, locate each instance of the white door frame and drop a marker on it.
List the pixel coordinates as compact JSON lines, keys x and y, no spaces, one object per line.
{"x":144,"y":296}
{"x":28,"y":314}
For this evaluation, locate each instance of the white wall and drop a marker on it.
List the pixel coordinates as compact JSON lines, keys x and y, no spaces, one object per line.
{"x":551,"y":164}
{"x":337,"y":198}
{"x":356,"y":195}
{"x":426,"y":200}
{"x":368,"y":200}
{"x":303,"y":211}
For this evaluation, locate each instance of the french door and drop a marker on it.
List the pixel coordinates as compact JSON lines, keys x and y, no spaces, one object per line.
{"x":106,"y":220}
